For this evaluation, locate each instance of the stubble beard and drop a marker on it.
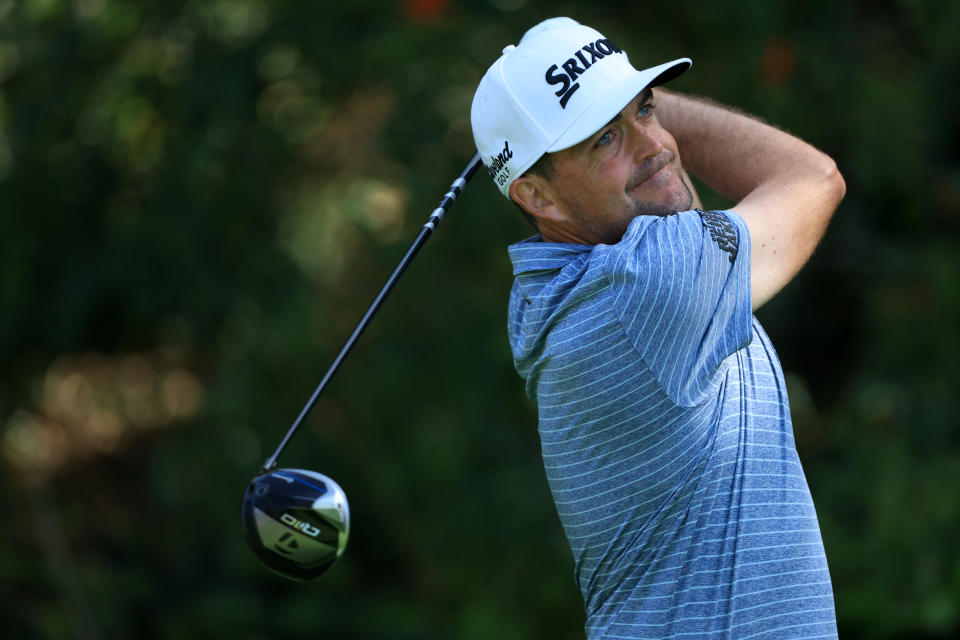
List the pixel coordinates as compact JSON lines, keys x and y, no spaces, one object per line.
{"x":671,"y":203}
{"x":662,"y":209}
{"x":606,"y":231}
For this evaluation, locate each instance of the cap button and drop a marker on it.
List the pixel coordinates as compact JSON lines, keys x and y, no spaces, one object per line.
{"x":509,"y":48}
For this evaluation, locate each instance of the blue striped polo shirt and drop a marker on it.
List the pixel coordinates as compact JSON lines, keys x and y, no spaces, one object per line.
{"x":666,"y":436}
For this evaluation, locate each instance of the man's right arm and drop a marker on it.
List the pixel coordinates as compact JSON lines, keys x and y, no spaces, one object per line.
{"x":785,"y":190}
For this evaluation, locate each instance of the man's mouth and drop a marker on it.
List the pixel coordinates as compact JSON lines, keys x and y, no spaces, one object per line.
{"x":650,"y":168}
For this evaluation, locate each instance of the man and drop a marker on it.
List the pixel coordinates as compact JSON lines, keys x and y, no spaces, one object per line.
{"x":663,"y":416}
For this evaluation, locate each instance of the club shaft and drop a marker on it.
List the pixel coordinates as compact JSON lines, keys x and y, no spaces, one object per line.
{"x":436,"y":216}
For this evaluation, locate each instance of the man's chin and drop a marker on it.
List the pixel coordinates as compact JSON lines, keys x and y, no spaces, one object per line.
{"x":663,"y":209}
{"x":679,"y":198}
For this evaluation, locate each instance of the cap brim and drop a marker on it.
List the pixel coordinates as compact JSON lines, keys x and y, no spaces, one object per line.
{"x":610,"y":103}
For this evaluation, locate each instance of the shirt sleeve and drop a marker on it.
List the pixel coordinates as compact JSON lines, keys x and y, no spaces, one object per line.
{"x":681,"y":290}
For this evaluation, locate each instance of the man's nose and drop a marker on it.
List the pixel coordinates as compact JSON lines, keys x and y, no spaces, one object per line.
{"x":646,"y":142}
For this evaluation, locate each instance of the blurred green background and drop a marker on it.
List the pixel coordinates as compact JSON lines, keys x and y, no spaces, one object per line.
{"x":199,"y":199}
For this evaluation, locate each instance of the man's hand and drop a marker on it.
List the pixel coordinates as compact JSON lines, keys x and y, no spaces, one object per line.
{"x":785,"y":190}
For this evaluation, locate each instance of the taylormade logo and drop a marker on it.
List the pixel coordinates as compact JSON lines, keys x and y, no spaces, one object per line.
{"x":498,"y":165}
{"x":571,"y":69}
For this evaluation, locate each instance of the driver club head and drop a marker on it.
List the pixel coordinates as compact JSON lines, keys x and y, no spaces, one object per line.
{"x":296,"y":521}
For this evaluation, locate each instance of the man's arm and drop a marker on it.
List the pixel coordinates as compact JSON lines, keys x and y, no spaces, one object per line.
{"x":785,"y":190}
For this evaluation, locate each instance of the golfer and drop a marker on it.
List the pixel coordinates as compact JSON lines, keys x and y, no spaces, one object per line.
{"x":663,"y":416}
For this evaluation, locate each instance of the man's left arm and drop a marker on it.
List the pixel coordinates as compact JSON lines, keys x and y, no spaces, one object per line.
{"x":785,"y":190}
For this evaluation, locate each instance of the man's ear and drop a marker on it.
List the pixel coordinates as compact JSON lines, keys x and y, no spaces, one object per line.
{"x":534,"y":195}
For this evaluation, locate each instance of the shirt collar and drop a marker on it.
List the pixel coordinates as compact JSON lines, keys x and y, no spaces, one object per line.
{"x":535,"y":255}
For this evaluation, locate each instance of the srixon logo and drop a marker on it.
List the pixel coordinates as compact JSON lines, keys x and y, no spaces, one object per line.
{"x":498,"y":165}
{"x":578,"y":64}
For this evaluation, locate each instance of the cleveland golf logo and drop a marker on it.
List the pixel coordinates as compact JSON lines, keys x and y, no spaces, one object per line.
{"x":596,"y":50}
{"x":498,"y":165}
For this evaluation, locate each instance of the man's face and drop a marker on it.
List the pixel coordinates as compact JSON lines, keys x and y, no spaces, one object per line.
{"x":628,"y":168}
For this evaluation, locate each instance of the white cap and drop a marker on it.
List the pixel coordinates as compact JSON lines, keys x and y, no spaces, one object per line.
{"x":558,"y":87}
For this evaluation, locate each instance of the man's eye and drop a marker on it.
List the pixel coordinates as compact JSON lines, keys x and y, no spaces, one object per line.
{"x":645,"y":110}
{"x":604,"y":139}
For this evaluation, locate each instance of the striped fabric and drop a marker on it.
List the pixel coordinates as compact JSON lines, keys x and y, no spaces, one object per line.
{"x":666,"y":434}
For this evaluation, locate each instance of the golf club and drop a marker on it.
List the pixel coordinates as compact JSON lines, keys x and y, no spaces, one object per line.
{"x":298,"y":521}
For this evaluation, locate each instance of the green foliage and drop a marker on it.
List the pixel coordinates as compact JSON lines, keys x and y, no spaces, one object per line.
{"x":202,"y":197}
